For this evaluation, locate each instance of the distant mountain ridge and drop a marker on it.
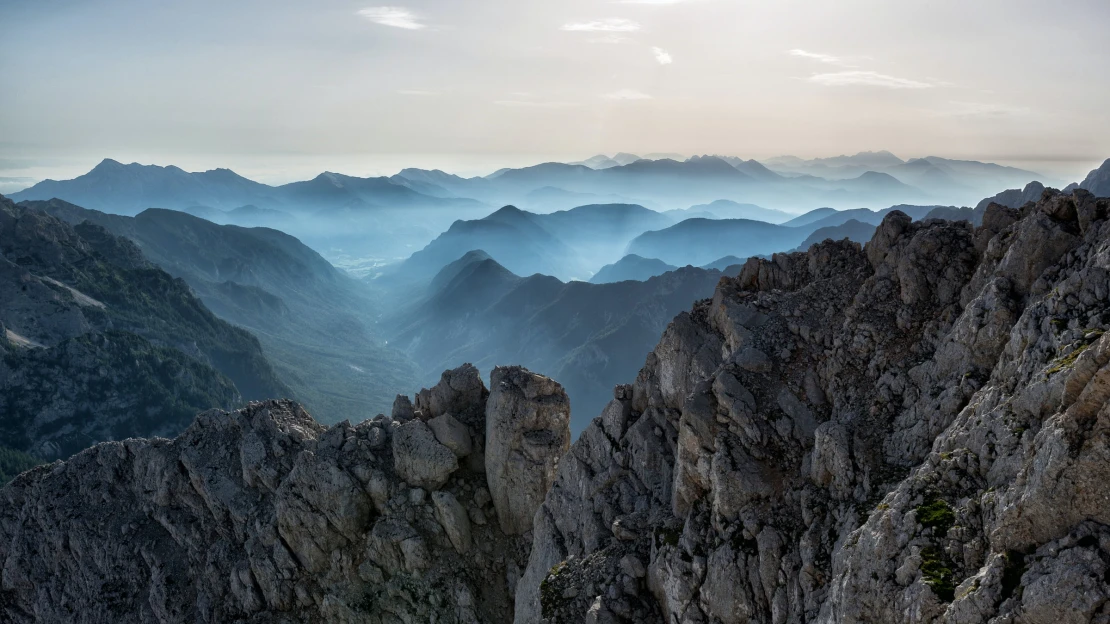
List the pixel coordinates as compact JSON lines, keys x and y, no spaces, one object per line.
{"x":477,"y":310}
{"x":97,"y":344}
{"x":316,"y":324}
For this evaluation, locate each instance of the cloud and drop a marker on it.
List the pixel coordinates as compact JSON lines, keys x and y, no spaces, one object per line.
{"x":822,"y":58}
{"x":866,"y":79}
{"x":611,"y":38}
{"x":534,"y":104}
{"x":611,"y":24}
{"x":392,"y":16}
{"x":651,"y":1}
{"x":662,"y":56}
{"x":984,"y":110}
{"x":626,"y":94}
{"x":420,"y":92}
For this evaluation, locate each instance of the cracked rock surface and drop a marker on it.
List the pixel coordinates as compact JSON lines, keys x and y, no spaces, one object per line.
{"x":264,"y":515}
{"x":912,"y":431}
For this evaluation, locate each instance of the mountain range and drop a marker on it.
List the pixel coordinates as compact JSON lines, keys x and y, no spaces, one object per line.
{"x":589,"y":335}
{"x":315,"y":323}
{"x":99,"y":344}
{"x":355,"y":221}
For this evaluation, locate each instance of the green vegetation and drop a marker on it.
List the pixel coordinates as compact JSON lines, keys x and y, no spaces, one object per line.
{"x":1066,"y":361}
{"x":937,"y":515}
{"x":549,"y":594}
{"x":13,"y":462}
{"x":106,"y":386}
{"x":937,"y":572}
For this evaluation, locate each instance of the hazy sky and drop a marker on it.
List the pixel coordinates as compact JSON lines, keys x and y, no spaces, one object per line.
{"x":281,"y":89}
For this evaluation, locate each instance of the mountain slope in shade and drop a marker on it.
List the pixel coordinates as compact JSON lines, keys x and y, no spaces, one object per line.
{"x":1098,"y":180}
{"x":851,"y":229}
{"x":129,"y":189}
{"x":568,"y":244}
{"x":631,"y":267}
{"x":510,"y":234}
{"x":810,"y":217}
{"x":701,"y":241}
{"x":478,"y":311}
{"x":315,"y":323}
{"x":98,"y":344}
{"x":728,"y":209}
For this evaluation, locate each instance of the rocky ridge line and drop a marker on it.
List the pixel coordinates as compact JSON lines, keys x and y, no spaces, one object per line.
{"x":264,"y":515}
{"x":911,"y":431}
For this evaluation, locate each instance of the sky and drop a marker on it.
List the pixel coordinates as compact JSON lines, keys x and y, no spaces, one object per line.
{"x":281,"y":90}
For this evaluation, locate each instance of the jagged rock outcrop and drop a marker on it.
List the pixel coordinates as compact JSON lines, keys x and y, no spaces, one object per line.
{"x":264,"y":515}
{"x":911,"y":431}
{"x":527,"y":431}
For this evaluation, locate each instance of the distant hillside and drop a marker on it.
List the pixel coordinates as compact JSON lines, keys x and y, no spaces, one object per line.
{"x":569,"y":244}
{"x":315,"y":323}
{"x":631,"y":267}
{"x":98,"y":344}
{"x":1098,"y":180}
{"x":701,"y":241}
{"x":129,"y":189}
{"x":728,"y":209}
{"x":851,"y":229}
{"x":588,"y":334}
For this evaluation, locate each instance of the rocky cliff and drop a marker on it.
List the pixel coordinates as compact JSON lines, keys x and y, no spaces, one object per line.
{"x":914,"y":430}
{"x":263,"y":514}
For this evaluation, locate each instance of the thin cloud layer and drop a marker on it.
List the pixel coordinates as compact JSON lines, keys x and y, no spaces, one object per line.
{"x":611,"y":24}
{"x":651,"y":1}
{"x":821,"y":58}
{"x":866,"y":79}
{"x":396,"y":17}
{"x":627,"y":94}
{"x":662,"y":56}
{"x":984,"y":109}
{"x":534,"y":104}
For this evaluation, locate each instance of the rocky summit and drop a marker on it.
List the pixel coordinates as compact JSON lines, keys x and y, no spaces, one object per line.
{"x":911,"y":430}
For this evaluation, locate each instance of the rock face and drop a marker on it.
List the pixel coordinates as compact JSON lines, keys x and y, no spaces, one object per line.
{"x":1098,"y":180}
{"x":912,"y":431}
{"x":263,"y":514}
{"x":527,"y":431}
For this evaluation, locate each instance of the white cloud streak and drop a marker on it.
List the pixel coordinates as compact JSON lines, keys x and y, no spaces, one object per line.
{"x":828,"y":59}
{"x":662,"y":56}
{"x":626,"y":94}
{"x":611,"y":24}
{"x":984,"y":110}
{"x":396,"y":17}
{"x":534,"y":104}
{"x":866,"y":79}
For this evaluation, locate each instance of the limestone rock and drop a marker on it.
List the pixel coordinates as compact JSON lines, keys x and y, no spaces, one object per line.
{"x":452,"y":434}
{"x":527,"y":432}
{"x":454,"y":520}
{"x":419,"y":458}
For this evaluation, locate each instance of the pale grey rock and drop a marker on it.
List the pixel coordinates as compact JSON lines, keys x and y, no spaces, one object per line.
{"x":419,"y":458}
{"x":452,"y":434}
{"x":260,"y":515}
{"x":527,"y":432}
{"x":454,"y":520}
